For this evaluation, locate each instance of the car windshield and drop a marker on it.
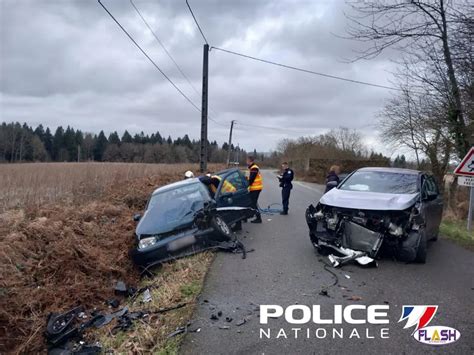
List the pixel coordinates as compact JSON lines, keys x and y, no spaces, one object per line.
{"x":174,"y":207}
{"x":381,"y":181}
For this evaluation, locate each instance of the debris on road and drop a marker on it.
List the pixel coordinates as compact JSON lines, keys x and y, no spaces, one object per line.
{"x":355,"y":298}
{"x":347,"y":276}
{"x":240,"y":322}
{"x":178,"y":331}
{"x":324,"y":292}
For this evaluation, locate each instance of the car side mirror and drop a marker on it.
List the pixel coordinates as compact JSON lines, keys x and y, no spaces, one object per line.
{"x":137,"y":217}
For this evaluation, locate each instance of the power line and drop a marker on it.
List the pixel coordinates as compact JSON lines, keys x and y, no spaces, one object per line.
{"x":164,"y":48}
{"x":197,"y":24}
{"x":148,"y":57}
{"x":306,"y":70}
{"x":286,"y":130}
{"x":169,"y":55}
{"x":216,"y":122}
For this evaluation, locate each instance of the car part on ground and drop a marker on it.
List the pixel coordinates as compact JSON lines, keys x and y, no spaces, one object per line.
{"x":64,"y":332}
{"x":359,"y":219}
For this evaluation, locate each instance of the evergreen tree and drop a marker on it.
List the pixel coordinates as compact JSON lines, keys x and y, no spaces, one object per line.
{"x":100,"y":146}
{"x":48,"y":142}
{"x":114,"y":138}
{"x":70,"y":143}
{"x":127,"y":138}
{"x":58,"y":143}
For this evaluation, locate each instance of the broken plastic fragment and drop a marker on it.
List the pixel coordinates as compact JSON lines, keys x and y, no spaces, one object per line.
{"x":147,"y":296}
{"x":120,"y":288}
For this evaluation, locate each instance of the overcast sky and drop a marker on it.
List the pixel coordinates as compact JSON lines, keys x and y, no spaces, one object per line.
{"x":65,"y":62}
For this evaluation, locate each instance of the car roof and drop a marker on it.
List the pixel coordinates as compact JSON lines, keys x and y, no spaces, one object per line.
{"x":391,"y":170}
{"x":176,"y":184}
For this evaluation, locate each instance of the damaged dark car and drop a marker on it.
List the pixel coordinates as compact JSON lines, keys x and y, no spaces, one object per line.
{"x":185,"y":217}
{"x":375,"y":209}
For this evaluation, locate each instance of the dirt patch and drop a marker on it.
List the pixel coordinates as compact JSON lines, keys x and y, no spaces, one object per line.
{"x":56,"y":257}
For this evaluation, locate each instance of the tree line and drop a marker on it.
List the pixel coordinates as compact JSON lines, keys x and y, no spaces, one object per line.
{"x":22,"y":143}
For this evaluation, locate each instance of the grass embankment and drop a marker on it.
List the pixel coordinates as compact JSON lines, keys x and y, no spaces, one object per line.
{"x":175,"y":283}
{"x":457,"y":232}
{"x":64,"y":242}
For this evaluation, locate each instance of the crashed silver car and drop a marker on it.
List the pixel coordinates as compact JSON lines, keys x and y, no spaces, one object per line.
{"x":375,"y":209}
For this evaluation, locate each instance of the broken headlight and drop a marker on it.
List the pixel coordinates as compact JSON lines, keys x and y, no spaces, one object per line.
{"x":146,"y":242}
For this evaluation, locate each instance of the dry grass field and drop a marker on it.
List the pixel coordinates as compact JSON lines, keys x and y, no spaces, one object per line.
{"x":65,"y":233}
{"x":34,"y":184}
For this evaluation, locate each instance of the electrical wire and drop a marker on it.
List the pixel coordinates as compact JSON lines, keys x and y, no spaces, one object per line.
{"x":306,"y":70}
{"x":286,"y":130}
{"x":197,"y":24}
{"x":164,"y":48}
{"x":148,"y":57}
{"x":171,"y":57}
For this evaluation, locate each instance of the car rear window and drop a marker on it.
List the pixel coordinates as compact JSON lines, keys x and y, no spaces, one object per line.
{"x":381,"y":181}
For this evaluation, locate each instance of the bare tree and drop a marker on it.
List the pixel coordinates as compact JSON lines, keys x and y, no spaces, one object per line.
{"x":346,"y":139}
{"x":420,"y":28}
{"x":417,"y":122}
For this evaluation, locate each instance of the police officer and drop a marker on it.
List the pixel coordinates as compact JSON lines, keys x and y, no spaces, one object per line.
{"x":255,"y":186}
{"x":285,"y":183}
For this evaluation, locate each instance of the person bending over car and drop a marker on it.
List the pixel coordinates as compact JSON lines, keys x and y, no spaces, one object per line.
{"x":213,"y":181}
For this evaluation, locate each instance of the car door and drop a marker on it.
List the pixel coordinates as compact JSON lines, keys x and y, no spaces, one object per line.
{"x":432,"y":205}
{"x":233,"y":192}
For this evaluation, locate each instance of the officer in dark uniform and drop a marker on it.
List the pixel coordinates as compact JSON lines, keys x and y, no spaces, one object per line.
{"x":285,"y":183}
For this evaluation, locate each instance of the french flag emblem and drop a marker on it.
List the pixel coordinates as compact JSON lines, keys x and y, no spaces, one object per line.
{"x":418,"y":316}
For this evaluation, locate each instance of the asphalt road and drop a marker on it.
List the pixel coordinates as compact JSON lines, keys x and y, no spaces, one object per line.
{"x":285,"y":270}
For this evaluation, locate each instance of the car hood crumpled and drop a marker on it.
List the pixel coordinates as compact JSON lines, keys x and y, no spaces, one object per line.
{"x":368,"y":200}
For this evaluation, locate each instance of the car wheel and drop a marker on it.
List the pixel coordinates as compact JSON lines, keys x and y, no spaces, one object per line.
{"x":422,"y":246}
{"x":221,"y":229}
{"x":434,"y":238}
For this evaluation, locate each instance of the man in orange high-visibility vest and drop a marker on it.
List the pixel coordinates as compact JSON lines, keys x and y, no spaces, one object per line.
{"x":255,"y":186}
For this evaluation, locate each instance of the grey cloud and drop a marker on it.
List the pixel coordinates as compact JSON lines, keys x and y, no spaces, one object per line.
{"x":66,"y":63}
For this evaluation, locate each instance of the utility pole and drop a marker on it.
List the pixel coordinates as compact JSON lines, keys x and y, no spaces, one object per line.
{"x":205,"y":71}
{"x":230,"y":142}
{"x":238,"y":153}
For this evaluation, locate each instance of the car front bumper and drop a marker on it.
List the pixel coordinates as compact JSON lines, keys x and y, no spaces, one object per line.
{"x":170,"y":247}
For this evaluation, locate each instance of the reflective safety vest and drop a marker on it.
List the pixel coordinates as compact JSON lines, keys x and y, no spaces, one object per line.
{"x":257,"y":184}
{"x":226,"y":187}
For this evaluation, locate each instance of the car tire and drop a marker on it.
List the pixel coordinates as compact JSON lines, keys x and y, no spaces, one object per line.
{"x":434,"y":238}
{"x":422,"y":248}
{"x":222,"y":230}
